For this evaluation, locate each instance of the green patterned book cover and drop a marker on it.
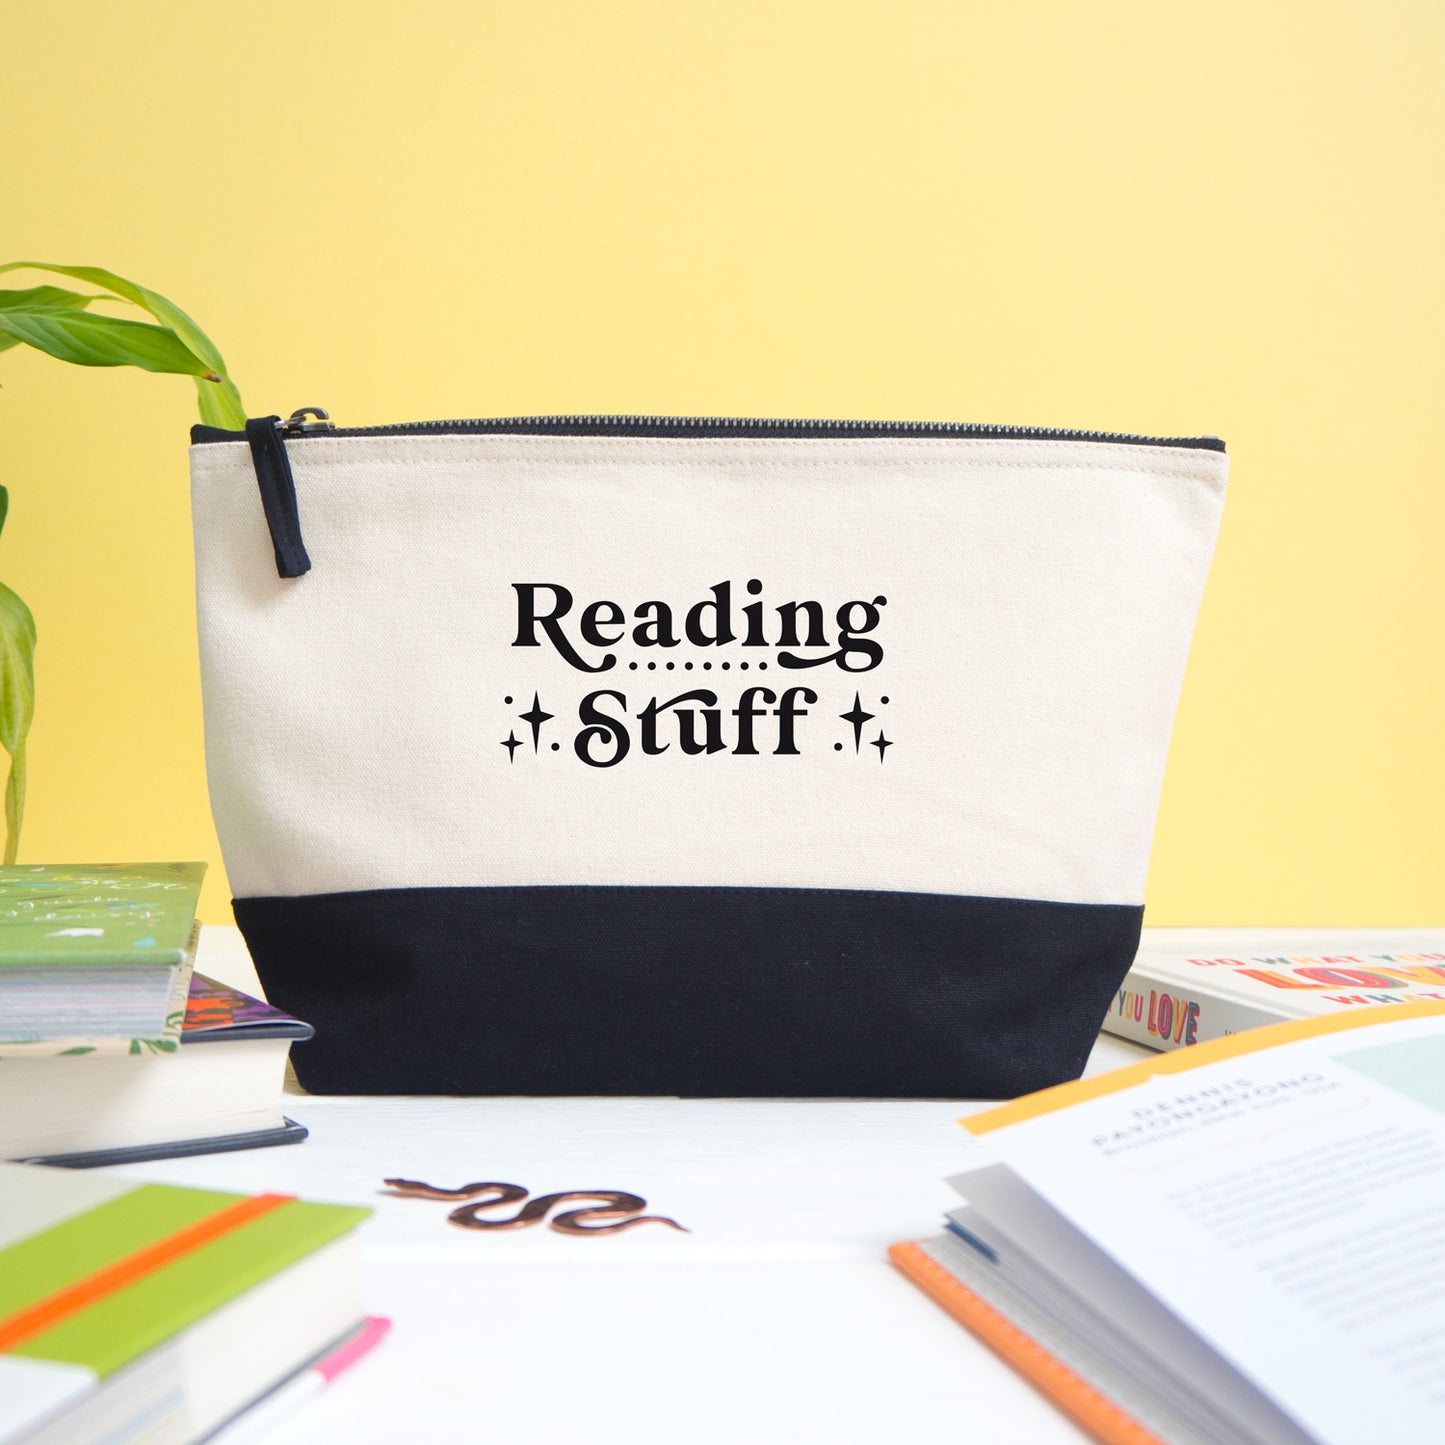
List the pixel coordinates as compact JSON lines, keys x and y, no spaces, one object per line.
{"x":97,"y":914}
{"x":96,"y":958}
{"x":92,"y":1010}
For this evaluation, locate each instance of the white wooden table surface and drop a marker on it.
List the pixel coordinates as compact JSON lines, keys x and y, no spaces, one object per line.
{"x":778,"y":1319}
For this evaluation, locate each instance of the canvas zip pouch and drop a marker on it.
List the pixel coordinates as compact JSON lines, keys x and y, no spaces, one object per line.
{"x":627,"y":755}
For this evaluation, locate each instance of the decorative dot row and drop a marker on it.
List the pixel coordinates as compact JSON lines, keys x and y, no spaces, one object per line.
{"x":706,"y":666}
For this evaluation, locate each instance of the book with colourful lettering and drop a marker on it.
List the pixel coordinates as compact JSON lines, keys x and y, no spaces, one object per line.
{"x":221,"y":1089}
{"x":132,"y":1310}
{"x":96,"y":956}
{"x":1239,"y":1243}
{"x":1170,"y":999}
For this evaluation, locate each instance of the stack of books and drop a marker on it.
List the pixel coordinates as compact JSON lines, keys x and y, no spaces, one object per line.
{"x":112,"y":1047}
{"x":136,"y":1312}
{"x":1239,"y":1243}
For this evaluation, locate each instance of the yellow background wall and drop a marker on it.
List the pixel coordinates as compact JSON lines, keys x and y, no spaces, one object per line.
{"x":1223,"y":217}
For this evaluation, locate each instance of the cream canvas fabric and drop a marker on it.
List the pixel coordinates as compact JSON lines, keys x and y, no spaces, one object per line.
{"x":941,"y":666}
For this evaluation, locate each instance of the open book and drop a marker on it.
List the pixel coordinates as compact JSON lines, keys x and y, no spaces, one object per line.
{"x":1239,"y":1242}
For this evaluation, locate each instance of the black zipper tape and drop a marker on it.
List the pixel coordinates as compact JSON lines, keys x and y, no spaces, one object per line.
{"x":714,"y":426}
{"x":278,"y":494}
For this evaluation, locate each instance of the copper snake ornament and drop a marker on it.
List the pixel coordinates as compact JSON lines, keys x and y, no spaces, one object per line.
{"x":620,"y":1208}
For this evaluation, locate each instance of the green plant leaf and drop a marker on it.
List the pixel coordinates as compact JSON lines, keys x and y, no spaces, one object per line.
{"x":17,"y":704}
{"x":221,"y":404}
{"x":89,"y":340}
{"x":17,"y":665}
{"x":41,"y":296}
{"x":166,"y":312}
{"x":33,"y":296}
{"x":14,"y":804}
{"x":55,"y":320}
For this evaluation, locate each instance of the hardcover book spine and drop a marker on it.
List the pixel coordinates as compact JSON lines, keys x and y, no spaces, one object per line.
{"x":1160,"y":1014}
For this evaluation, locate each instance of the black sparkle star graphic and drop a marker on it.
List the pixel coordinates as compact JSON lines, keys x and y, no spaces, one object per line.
{"x":536,"y":718}
{"x":881,"y":743}
{"x":511,"y":742}
{"x":857,"y":717}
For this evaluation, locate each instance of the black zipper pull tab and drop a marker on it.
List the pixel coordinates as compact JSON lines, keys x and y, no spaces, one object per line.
{"x":266,"y":436}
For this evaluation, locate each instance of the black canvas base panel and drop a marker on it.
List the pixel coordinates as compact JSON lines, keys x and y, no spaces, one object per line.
{"x":712,"y":992}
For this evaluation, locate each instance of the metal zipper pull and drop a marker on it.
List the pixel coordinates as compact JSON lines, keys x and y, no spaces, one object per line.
{"x":267,"y":438}
{"x":297,"y":425}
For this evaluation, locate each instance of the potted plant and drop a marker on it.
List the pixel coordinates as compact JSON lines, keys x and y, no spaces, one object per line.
{"x":59,"y":322}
